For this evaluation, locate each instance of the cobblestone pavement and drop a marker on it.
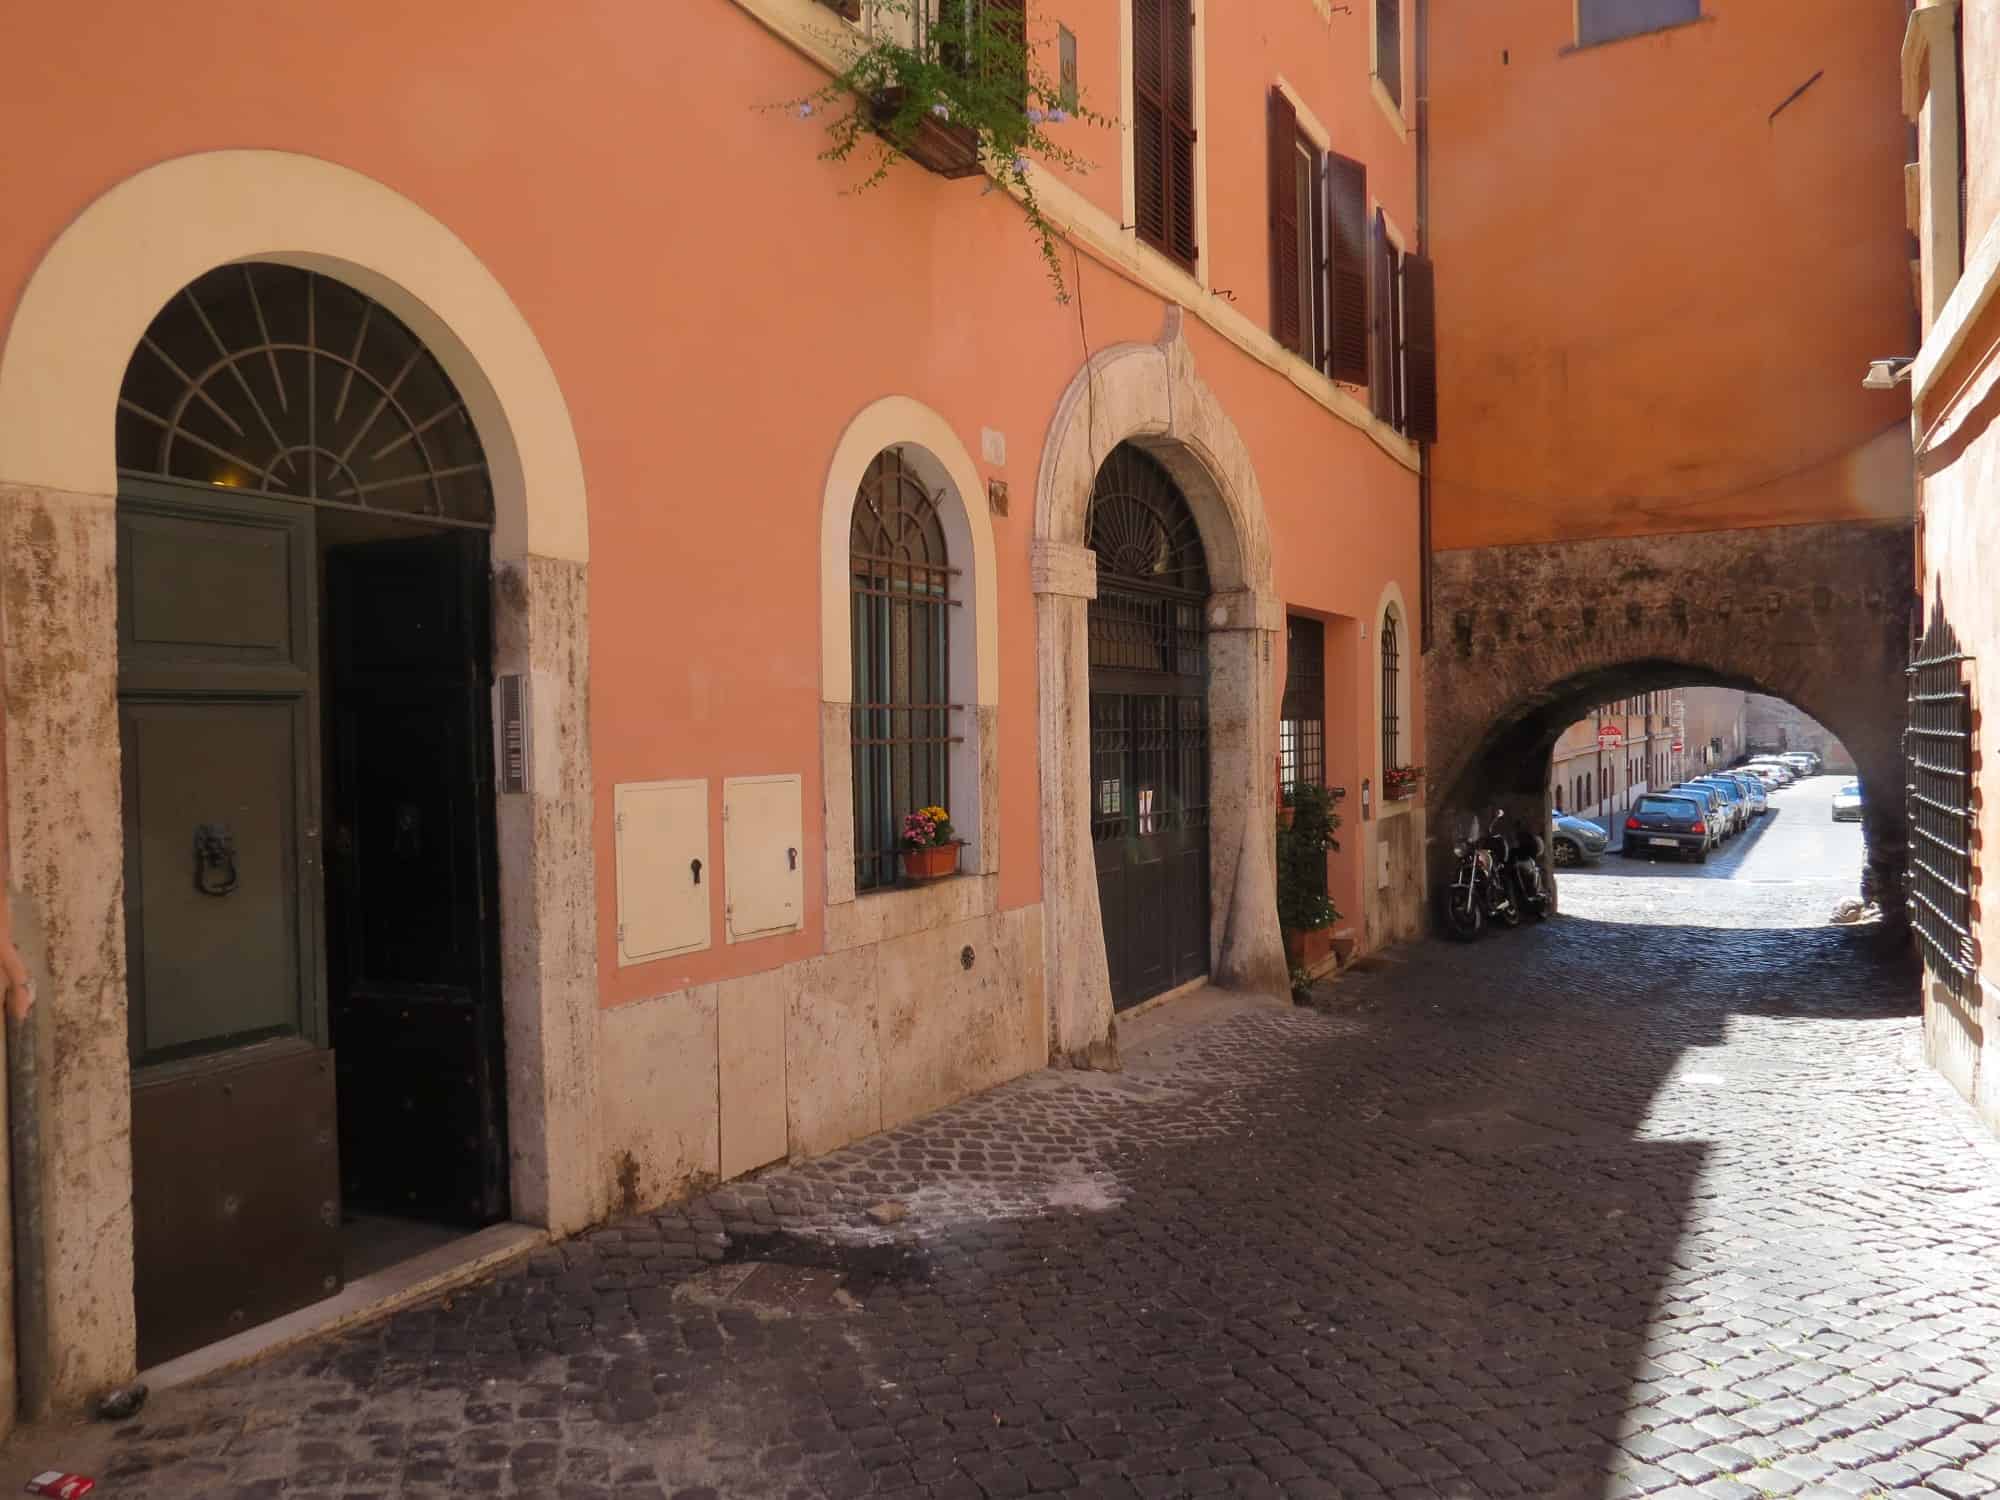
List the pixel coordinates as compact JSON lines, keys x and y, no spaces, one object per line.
{"x":1647,"y":1199}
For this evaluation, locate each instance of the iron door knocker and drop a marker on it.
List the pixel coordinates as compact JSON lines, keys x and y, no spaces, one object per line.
{"x":214,"y":859}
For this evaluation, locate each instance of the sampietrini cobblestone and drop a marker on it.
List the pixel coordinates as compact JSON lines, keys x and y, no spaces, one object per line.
{"x":1601,"y":1208}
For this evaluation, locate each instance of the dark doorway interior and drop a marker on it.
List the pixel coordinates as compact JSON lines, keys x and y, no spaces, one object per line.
{"x":412,"y":960}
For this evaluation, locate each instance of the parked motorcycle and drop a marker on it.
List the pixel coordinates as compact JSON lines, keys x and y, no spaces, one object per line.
{"x":1494,"y":881}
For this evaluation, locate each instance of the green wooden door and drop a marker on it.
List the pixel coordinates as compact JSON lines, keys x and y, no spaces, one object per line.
{"x":235,"y":1181}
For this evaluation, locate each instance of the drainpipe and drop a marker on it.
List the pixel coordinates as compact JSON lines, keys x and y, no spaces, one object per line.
{"x":1423,"y":44}
{"x":30,"y":1346}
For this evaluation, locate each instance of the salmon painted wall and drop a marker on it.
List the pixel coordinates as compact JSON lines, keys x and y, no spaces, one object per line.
{"x":1657,"y":290}
{"x":1979,"y":28}
{"x":717,"y":306}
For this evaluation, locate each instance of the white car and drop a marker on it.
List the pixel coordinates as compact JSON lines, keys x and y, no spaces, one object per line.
{"x":1772,"y":773}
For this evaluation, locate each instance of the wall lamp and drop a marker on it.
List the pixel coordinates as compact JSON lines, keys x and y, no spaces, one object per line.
{"x":1887,"y":374}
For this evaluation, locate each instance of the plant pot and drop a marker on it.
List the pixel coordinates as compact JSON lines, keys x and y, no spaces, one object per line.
{"x":1308,"y":950}
{"x":1285,"y":816}
{"x":935,"y":145}
{"x":933,"y":862}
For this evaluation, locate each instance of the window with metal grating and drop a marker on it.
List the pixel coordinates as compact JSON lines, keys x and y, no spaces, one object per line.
{"x":1302,"y":718}
{"x":1392,"y":751}
{"x":1938,"y":748}
{"x":900,"y":590}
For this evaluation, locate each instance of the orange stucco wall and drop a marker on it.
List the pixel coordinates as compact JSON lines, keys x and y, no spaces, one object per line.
{"x":1979,"y":29}
{"x":1656,"y":300}
{"x":717,"y":306}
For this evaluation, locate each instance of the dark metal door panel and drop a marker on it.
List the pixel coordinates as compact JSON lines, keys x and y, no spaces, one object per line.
{"x":235,"y":1211}
{"x":416,"y":1010}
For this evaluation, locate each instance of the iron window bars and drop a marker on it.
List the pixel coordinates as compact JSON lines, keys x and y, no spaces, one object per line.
{"x":1391,"y":684}
{"x":272,"y":378}
{"x":1302,"y":716}
{"x":900,"y":581}
{"x":1938,"y":749}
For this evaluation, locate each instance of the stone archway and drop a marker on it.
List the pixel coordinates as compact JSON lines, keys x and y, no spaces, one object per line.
{"x":1150,"y":395}
{"x":1529,"y":637}
{"x":80,"y":316}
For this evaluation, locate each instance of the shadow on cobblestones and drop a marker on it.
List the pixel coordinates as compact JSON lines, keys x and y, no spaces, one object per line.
{"x":1620,"y":1222}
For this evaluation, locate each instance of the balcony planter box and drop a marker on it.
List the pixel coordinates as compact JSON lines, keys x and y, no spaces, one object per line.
{"x":935,"y":145}
{"x":932,"y":863}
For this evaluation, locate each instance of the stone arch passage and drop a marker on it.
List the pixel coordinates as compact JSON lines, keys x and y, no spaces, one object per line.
{"x":71,"y":336}
{"x":1150,"y":395}
{"x":1530,"y":637}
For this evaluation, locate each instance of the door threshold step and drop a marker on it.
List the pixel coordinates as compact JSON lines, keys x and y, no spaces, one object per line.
{"x":360,"y":1301}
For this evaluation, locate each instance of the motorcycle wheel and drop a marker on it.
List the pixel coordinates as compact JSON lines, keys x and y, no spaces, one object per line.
{"x":1508,"y":913}
{"x":1462,"y":917}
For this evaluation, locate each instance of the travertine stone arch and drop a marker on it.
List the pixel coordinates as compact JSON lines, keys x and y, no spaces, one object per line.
{"x":1150,"y":394}
{"x":79,"y":319}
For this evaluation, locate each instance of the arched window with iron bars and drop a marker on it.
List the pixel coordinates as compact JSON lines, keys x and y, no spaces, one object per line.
{"x":901,"y":588}
{"x":1391,"y":686}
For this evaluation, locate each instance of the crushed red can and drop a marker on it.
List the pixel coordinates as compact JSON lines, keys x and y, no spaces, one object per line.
{"x":62,"y":1486}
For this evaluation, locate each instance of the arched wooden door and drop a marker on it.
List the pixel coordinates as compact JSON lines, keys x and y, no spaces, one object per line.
{"x":1149,"y":792}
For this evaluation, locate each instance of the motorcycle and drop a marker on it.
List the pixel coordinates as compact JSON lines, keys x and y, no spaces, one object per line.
{"x":1494,"y":881}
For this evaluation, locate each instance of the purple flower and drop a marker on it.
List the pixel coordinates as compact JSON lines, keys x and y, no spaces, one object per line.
{"x":1035,"y":117}
{"x":1058,"y":117}
{"x":1021,"y":166}
{"x":941,"y":110}
{"x":805,"y":109}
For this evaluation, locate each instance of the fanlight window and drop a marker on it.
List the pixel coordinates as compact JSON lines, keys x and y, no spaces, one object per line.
{"x":273,"y":378}
{"x":901,"y":584}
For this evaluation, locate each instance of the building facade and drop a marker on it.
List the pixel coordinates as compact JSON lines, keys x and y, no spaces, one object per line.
{"x":1674,"y":243}
{"x":1951,"y":92}
{"x":481,"y":605}
{"x":1771,"y":724}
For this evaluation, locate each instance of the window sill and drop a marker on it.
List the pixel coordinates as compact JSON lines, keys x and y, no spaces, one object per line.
{"x":1397,"y":119}
{"x":897,"y":911}
{"x":1633,"y":36}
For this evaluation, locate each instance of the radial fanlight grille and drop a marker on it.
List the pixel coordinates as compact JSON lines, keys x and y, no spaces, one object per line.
{"x":1140,"y":526}
{"x":273,"y":378}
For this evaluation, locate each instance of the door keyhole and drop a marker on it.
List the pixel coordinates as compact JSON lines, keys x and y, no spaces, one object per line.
{"x":694,"y":865}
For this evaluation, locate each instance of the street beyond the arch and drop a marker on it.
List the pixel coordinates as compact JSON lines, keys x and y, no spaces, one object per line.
{"x":1651,"y":1198}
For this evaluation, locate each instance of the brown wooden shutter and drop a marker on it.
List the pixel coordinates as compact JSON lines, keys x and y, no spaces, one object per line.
{"x":1285,"y":312}
{"x":1149,"y":119}
{"x":1180,"y":128}
{"x":1381,"y":338}
{"x":1347,"y":277}
{"x":851,"y":9}
{"x":1420,"y":346}
{"x":1389,"y":47}
{"x":1010,"y":20}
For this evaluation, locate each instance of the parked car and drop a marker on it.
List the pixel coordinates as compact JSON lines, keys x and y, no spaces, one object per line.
{"x":1740,"y":815}
{"x":1753,"y":788}
{"x":1714,"y":808}
{"x":1577,"y":839}
{"x":1805,"y":761}
{"x":1772,"y":773}
{"x":1847,"y":803}
{"x":1669,"y":823}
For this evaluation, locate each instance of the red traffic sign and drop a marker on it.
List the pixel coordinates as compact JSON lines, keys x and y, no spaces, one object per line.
{"x":1679,"y":747}
{"x":1610,"y":736}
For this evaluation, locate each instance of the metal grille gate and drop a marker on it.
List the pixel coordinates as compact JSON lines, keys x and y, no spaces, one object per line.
{"x":1148,"y":728}
{"x":1938,"y":747}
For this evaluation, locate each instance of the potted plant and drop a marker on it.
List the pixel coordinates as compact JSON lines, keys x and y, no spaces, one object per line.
{"x":960,"y":90}
{"x":1304,"y":912}
{"x":929,"y":850}
{"x":1399,"y":783}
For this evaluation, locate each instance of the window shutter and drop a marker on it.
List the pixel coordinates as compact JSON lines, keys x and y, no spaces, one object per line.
{"x":1420,"y":345}
{"x":1149,"y":118}
{"x":1010,"y":20}
{"x":1180,"y":126}
{"x":851,"y":9}
{"x":1347,"y":194}
{"x":1285,"y":318}
{"x":1389,"y":47}
{"x":1382,"y":362}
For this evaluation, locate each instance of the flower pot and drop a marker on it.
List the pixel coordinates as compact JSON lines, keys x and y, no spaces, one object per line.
{"x":1308,"y":950}
{"x":933,"y":144}
{"x":933,"y":862}
{"x":1285,"y":816}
